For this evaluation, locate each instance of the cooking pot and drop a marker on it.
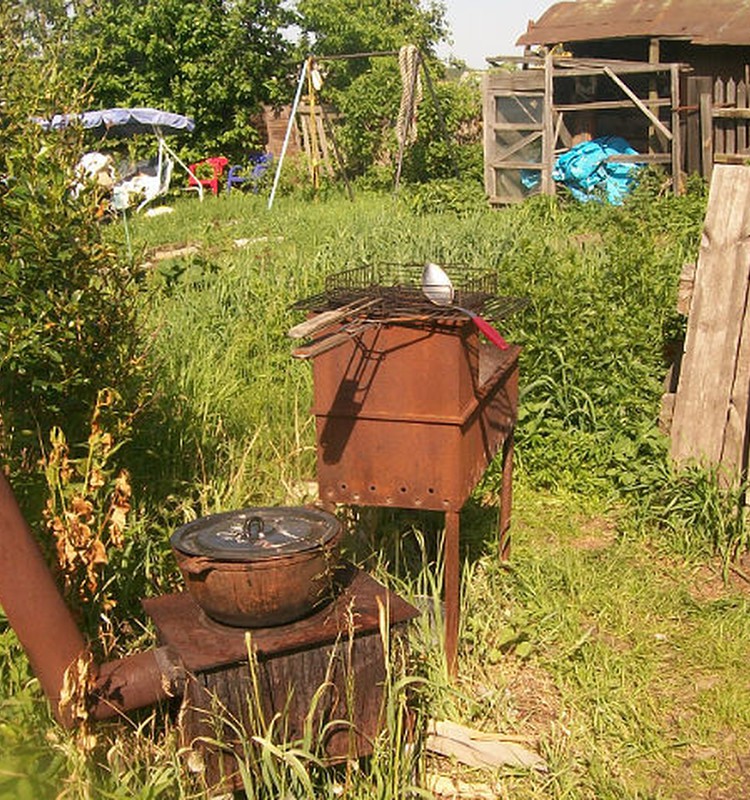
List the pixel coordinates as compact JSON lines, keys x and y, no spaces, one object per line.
{"x":259,"y":567}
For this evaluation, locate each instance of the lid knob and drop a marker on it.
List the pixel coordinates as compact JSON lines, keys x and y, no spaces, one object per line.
{"x":252,"y":530}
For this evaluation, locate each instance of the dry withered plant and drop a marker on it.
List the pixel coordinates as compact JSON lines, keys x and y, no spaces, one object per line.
{"x":88,"y":505}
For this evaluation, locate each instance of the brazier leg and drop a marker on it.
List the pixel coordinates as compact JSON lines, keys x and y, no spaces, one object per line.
{"x":451,"y":588}
{"x":506,"y":498}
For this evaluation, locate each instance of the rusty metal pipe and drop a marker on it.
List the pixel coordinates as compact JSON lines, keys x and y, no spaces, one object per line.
{"x":48,"y":633}
{"x":135,"y":681}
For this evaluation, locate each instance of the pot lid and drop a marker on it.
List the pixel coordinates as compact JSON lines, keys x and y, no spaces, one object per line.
{"x":256,"y":533}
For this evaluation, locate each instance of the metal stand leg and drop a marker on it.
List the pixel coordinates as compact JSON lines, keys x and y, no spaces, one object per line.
{"x":506,"y":498}
{"x":451,"y":587}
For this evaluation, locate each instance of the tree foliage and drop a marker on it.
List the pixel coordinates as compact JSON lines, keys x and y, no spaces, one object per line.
{"x":347,"y":27}
{"x":65,"y":319}
{"x":367,"y":90}
{"x":212,"y":60}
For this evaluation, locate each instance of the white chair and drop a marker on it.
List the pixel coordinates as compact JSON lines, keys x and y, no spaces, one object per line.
{"x":147,"y":184}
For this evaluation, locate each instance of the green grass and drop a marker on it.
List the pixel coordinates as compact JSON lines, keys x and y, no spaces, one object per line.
{"x":611,"y":642}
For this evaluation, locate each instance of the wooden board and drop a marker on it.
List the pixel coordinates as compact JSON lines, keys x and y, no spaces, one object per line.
{"x":711,"y":408}
{"x":203,"y":644}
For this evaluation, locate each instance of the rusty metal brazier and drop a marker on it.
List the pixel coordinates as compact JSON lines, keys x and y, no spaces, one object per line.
{"x":260,"y":567}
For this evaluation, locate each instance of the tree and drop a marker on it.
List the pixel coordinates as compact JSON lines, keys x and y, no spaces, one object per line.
{"x":350,"y":26}
{"x":367,"y":90}
{"x":212,"y":60}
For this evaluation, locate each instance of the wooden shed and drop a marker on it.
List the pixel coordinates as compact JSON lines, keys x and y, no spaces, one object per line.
{"x":670,"y":76}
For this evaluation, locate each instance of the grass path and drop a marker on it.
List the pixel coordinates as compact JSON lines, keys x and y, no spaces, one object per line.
{"x":627,"y":668}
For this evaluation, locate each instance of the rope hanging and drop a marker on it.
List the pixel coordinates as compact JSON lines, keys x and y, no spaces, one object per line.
{"x":411,"y":94}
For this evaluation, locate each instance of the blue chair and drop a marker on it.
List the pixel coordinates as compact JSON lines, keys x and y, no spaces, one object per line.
{"x":259,"y":164}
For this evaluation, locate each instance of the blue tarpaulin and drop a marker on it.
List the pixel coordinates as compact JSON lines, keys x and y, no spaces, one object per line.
{"x":584,"y":169}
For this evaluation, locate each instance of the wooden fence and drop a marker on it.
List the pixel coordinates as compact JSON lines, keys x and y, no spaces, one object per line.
{"x":718,"y":122}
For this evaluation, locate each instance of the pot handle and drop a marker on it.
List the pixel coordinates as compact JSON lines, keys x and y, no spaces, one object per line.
{"x":197,"y":565}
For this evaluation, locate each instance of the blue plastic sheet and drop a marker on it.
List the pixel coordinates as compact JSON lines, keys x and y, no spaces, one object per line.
{"x":584,"y":169}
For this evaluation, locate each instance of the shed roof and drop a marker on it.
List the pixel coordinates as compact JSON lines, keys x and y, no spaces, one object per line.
{"x":704,"y":22}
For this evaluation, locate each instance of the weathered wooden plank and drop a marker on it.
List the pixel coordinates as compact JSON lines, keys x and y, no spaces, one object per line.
{"x":718,"y":128}
{"x":731,"y":113}
{"x":501,"y":155}
{"x":713,"y":384}
{"x":685,"y":289}
{"x":548,"y":137}
{"x":742,"y":124}
{"x":666,"y":412}
{"x":489,"y":118}
{"x":603,"y":105}
{"x":734,"y":455}
{"x":731,"y":158}
{"x":730,"y":136}
{"x":640,"y":158}
{"x":707,"y":135}
{"x":677,"y":160}
{"x":692,"y":126}
{"x":657,"y":123}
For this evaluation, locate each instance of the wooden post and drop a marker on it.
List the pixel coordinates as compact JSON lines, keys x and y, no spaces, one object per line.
{"x":489,"y":118}
{"x":692,"y":127}
{"x":707,"y":135}
{"x":653,"y":92}
{"x":719,"y":126}
{"x":548,"y":144}
{"x":730,"y":134}
{"x":674,"y":72}
{"x":741,"y":123}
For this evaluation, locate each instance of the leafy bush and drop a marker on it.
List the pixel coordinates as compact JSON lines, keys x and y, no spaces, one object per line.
{"x":66,"y":314}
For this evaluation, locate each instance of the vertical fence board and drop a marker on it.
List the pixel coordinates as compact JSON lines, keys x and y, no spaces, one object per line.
{"x":730,"y":125}
{"x":692,"y":126}
{"x":711,"y":406}
{"x":707,"y":136}
{"x":741,"y":123}
{"x":718,"y":126}
{"x":676,"y":146}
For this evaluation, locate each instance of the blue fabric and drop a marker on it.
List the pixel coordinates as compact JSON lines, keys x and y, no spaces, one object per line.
{"x":124,"y":121}
{"x":589,"y":176}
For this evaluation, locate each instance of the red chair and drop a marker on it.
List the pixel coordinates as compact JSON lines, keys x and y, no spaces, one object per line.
{"x":217,"y":165}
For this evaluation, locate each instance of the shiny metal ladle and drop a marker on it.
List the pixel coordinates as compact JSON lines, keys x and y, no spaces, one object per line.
{"x":437,"y":287}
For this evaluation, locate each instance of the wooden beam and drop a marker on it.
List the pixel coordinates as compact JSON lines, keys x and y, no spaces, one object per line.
{"x":639,"y":103}
{"x":731,"y":113}
{"x":641,"y":158}
{"x":516,"y":126}
{"x":603,"y":105}
{"x":676,"y":132}
{"x":707,"y":135}
{"x":501,"y":155}
{"x":504,"y":165}
{"x":731,"y":158}
{"x":653,"y":93}
{"x":548,"y":144}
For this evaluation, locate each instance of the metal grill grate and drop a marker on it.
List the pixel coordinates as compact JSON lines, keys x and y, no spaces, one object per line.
{"x":397,"y":288}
